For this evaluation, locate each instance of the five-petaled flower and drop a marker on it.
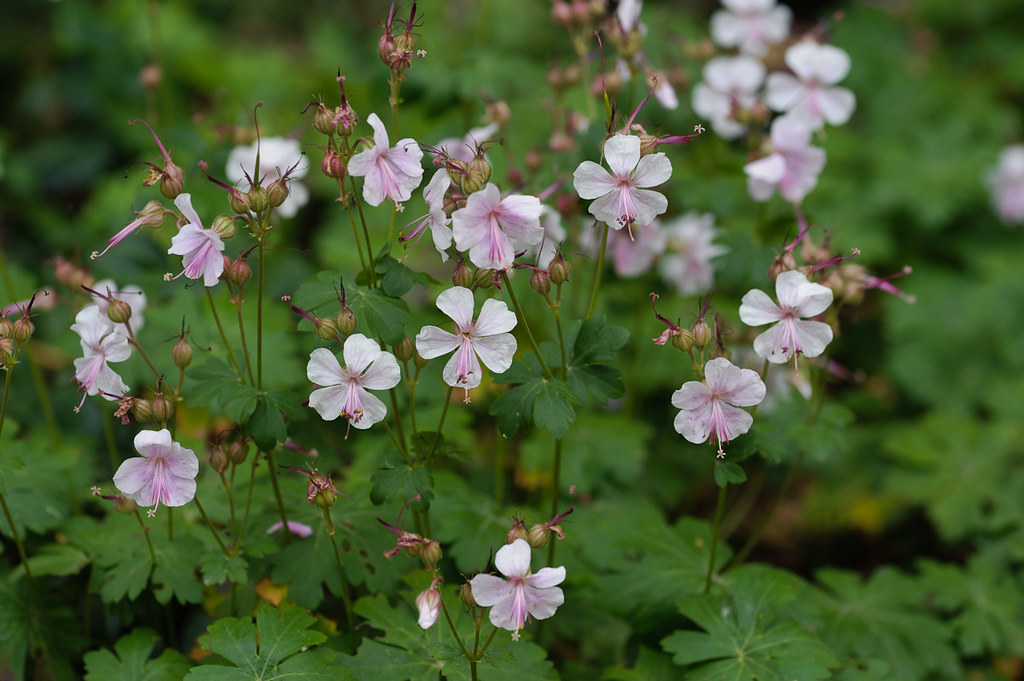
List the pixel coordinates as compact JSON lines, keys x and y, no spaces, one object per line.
{"x":435,"y":220}
{"x":345,"y":388}
{"x":486,"y":338}
{"x":391,"y":173}
{"x":522,"y":595}
{"x":200,"y":248}
{"x":791,"y":335}
{"x":810,"y":95}
{"x":750,"y":25}
{"x":622,"y":199}
{"x":101,"y":343}
{"x":711,"y":408}
{"x":164,"y":474}
{"x":793,"y":166}
{"x":493,"y":228}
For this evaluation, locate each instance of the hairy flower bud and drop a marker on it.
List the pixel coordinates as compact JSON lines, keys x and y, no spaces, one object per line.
{"x":346,"y":321}
{"x":333,"y":166}
{"x":258,"y":199}
{"x":6,"y":327}
{"x":238,"y":201}
{"x":182,"y":353}
{"x":537,"y":536}
{"x":559,"y":270}
{"x":238,"y":451}
{"x":498,"y":112}
{"x":561,"y":12}
{"x":163,"y":408}
{"x":683,"y":340}
{"x":385,"y":46}
{"x":325,"y":498}
{"x":223,"y":226}
{"x":22,"y":329}
{"x":119,"y":311}
{"x":404,"y":350}
{"x":517,"y":531}
{"x":70,"y":275}
{"x":430,"y":553}
{"x":540,"y":282}
{"x":703,"y":336}
{"x":6,"y":351}
{"x":478,"y":172}
{"x":462,"y":275}
{"x":142,"y":410}
{"x":125,"y":505}
{"x":237,"y":271}
{"x":466,"y":595}
{"x":534,"y":160}
{"x":483,"y":278}
{"x":325,"y":328}
{"x":323,"y":120}
{"x":172,"y":180}
{"x":278,"y":191}
{"x":219,"y":459}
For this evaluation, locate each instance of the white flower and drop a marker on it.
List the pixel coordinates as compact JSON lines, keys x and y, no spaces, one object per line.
{"x":621,"y":195}
{"x":435,"y":220}
{"x":391,"y":173}
{"x":345,"y":394}
{"x":201,"y":248}
{"x":429,"y":605}
{"x":793,"y":166}
{"x":750,"y":25}
{"x":164,"y":474}
{"x":710,"y":408}
{"x":790,"y":336}
{"x":809,"y":96}
{"x":690,"y":251}
{"x":101,"y":343}
{"x":487,"y":339}
{"x":279,"y":157}
{"x":492,"y":228}
{"x":634,"y":255}
{"x":464,"y":149}
{"x":554,"y":235}
{"x":730,"y":84}
{"x":512,"y":601}
{"x":1006,"y":182}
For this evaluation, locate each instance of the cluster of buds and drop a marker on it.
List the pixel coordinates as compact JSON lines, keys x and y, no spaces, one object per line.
{"x":427,"y":550}
{"x":335,"y":328}
{"x":6,"y":342}
{"x":538,"y":535}
{"x":170,"y":177}
{"x":700,"y":335}
{"x":398,"y":50}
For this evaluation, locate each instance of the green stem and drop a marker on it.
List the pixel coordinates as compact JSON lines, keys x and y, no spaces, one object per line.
{"x":248,"y":499}
{"x":355,"y":233}
{"x":395,"y":441}
{"x":231,"y":507}
{"x":17,"y":542}
{"x":260,"y":281}
{"x":714,"y":537}
{"x":241,"y":330}
{"x":752,"y":540}
{"x":346,"y":597}
{"x":216,"y":534}
{"x":371,"y":270}
{"x":451,"y":625}
{"x":526,"y":325}
{"x":440,"y":423}
{"x":412,"y":395}
{"x":108,"y":435}
{"x":145,"y":533}
{"x":556,"y":473}
{"x":599,"y":270}
{"x":398,"y":420}
{"x":223,"y":337}
{"x":277,"y":496}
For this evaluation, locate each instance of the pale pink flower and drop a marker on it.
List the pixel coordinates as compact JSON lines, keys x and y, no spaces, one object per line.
{"x":554,"y":235}
{"x":392,"y":173}
{"x":492,"y":228}
{"x":711,"y":408}
{"x":1006,"y":183}
{"x":133,"y":295}
{"x":485,"y":340}
{"x":279,"y":157}
{"x":152,"y":215}
{"x":296,"y":529}
{"x":522,"y":595}
{"x":164,"y":474}
{"x":810,"y":95}
{"x":730,"y":85}
{"x":750,"y":25}
{"x":792,"y":167}
{"x":436,"y":220}
{"x":689,"y":252}
{"x":101,"y":343}
{"x":621,"y":196}
{"x":429,"y":605}
{"x":628,"y":14}
{"x":634,"y":255}
{"x":201,"y":248}
{"x":345,"y":392}
{"x":464,"y":149}
{"x":791,"y":335}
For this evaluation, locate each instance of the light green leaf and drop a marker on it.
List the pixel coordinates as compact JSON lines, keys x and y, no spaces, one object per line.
{"x":132,"y":660}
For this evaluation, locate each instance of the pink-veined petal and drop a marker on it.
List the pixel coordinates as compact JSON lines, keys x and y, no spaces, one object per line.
{"x":433,"y":194}
{"x":591,"y":180}
{"x":457,"y":303}
{"x":495,"y":317}
{"x":374,"y":410}
{"x":649,"y":205}
{"x":772,"y":345}
{"x":691,"y":395}
{"x":732,"y":422}
{"x":382,"y":374}
{"x":380,"y":133}
{"x":652,"y":170}
{"x":463,"y":369}
{"x":496,"y":351}
{"x":132,"y":475}
{"x":510,"y":613}
{"x":513,"y":560}
{"x":323,"y":368}
{"x":433,"y":342}
{"x":184,"y":204}
{"x":545,"y":578}
{"x":694,"y":424}
{"x":359,"y":352}
{"x":489,"y":589}
{"x":814,"y":337}
{"x":735,"y":385}
{"x":520,"y":218}
{"x":542,"y":603}
{"x":330,"y":401}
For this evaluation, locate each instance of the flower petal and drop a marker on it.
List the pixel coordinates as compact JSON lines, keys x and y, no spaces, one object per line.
{"x":592,"y":181}
{"x":652,"y":170}
{"x":457,"y":303}
{"x":496,"y":351}
{"x":513,"y":560}
{"x":494,"y":318}
{"x":489,"y":589}
{"x":184,"y":204}
{"x":359,"y":353}
{"x":694,"y":424}
{"x":545,"y":578}
{"x":756,"y":308}
{"x":433,"y":342}
{"x":622,"y":153}
{"x":382,"y":374}
{"x":374,"y":410}
{"x":692,"y":395}
{"x":329,"y":401}
{"x":814,"y":337}
{"x":324,"y":369}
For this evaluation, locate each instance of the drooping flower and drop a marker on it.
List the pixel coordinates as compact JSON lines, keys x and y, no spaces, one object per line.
{"x":279,"y":157}
{"x":690,"y":250}
{"x":622,"y":199}
{"x":101,"y":343}
{"x":730,"y":85}
{"x":711,"y":408}
{"x":429,"y":605}
{"x":436,"y":220}
{"x":492,"y":228}
{"x":810,"y":95}
{"x":1006,"y":182}
{"x":133,"y":295}
{"x":793,"y":166}
{"x":750,"y":25}
{"x":152,"y":215}
{"x":522,"y":595}
{"x":392,"y":173}
{"x":485,"y":340}
{"x":201,"y":248}
{"x":345,"y":392}
{"x":791,"y":335}
{"x":164,"y":474}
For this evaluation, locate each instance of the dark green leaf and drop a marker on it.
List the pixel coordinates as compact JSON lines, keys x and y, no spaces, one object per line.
{"x":398,"y":480}
{"x":728,"y":473}
{"x":219,"y":568}
{"x":379,"y":315}
{"x":177,"y":563}
{"x":55,"y":559}
{"x":132,"y":661}
{"x":398,"y":278}
{"x":547,"y":403}
{"x":266,"y":426}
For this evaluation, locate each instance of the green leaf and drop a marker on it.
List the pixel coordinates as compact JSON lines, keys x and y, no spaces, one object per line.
{"x":175,"y":572}
{"x":650,"y":666}
{"x":266,"y":426}
{"x":219,"y":568}
{"x":398,"y":480}
{"x":132,"y":660}
{"x":594,"y":342}
{"x":279,"y":646}
{"x":55,"y":559}
{"x":381,"y":314}
{"x":546,"y":403}
{"x":398,"y":278}
{"x":118,"y":549}
{"x":728,"y":473}
{"x":743,"y":638}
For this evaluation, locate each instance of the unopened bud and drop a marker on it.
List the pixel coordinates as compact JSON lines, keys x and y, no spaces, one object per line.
{"x":419,"y":360}
{"x":517,"y":531}
{"x":498,"y":112}
{"x":403,"y":351}
{"x":538,"y":536}
{"x":346,"y":321}
{"x":6,"y":327}
{"x":540,"y":282}
{"x":703,"y":336}
{"x":478,"y":172}
{"x":325,"y":498}
{"x":466,"y":595}
{"x":483,"y":278}
{"x":125,"y":505}
{"x":323,"y":120}
{"x":429,"y":605}
{"x":238,"y":201}
{"x":153,"y":215}
{"x":347,"y":119}
{"x":559,"y":270}
{"x":172,"y":181}
{"x":119,"y":311}
{"x":561,"y":12}
{"x":648,"y":143}
{"x":181,"y":353}
{"x":238,"y":271}
{"x":142,"y":410}
{"x":462,"y":275}
{"x":430,"y":553}
{"x":385,"y":46}
{"x":332,"y":165}
{"x":258,"y":199}
{"x":534,"y":160}
{"x":238,"y":451}
{"x":219,"y":459}
{"x":23,"y":329}
{"x":683,"y":340}
{"x":223,"y":226}
{"x":6,"y":351}
{"x":163,"y":408}
{"x":325,"y":328}
{"x":278,"y":191}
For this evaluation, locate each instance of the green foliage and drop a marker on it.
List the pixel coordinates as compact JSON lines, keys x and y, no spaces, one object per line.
{"x":130,"y":660}
{"x":745,"y":637}
{"x":540,"y":401}
{"x":399,"y":480}
{"x":278,"y":645}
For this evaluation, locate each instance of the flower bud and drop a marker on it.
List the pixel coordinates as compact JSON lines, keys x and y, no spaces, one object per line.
{"x":142,"y":410}
{"x":703,"y":336}
{"x":483,"y":278}
{"x":648,"y":143}
{"x":278,"y":191}
{"x":118,"y":311}
{"x":534,"y":160}
{"x":223,"y":226}
{"x":71,"y":276}
{"x":325,"y":328}
{"x":172,"y":181}
{"x":6,"y":351}
{"x":466,"y":595}
{"x":403,"y":351}
{"x":539,"y":282}
{"x":385,"y":46}
{"x":258,"y":199}
{"x":219,"y":459}
{"x":22,"y":329}
{"x":559,"y":270}
{"x":346,"y":321}
{"x":498,"y":112}
{"x":538,"y":536}
{"x":323,"y":120}
{"x":561,"y":141}
{"x":153,"y":215}
{"x":163,"y":408}
{"x":325,"y":498}
{"x":561,"y":12}
{"x":181,"y":353}
{"x":462,"y":275}
{"x":517,"y":531}
{"x":347,"y":119}
{"x":333,"y":166}
{"x":429,"y":605}
{"x":683,"y":340}
{"x":238,"y":271}
{"x":6,"y":328}
{"x":238,"y":201}
{"x":419,"y":360}
{"x":478,"y":172}
{"x":125,"y":505}
{"x":238,"y":451}
{"x":430,"y":553}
